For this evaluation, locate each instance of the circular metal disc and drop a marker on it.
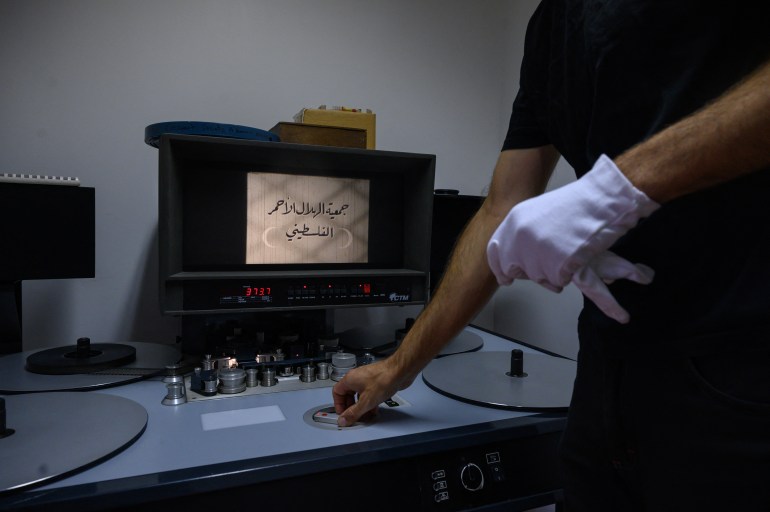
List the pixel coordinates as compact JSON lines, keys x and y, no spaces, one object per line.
{"x":151,"y":358}
{"x":65,"y":361}
{"x":381,"y":339}
{"x":481,"y":378}
{"x":56,"y":434}
{"x":372,"y":338}
{"x":463,"y":342}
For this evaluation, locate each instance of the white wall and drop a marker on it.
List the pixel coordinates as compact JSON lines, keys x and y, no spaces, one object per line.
{"x":82,"y":79}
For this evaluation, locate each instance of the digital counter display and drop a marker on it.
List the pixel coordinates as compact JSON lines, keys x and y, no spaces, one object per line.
{"x":246,"y":295}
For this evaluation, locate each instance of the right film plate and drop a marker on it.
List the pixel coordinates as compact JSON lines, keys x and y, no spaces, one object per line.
{"x":486,"y":379}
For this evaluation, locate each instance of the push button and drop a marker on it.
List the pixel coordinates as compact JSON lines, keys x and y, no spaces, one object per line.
{"x":497,"y":472}
{"x":442,"y":496}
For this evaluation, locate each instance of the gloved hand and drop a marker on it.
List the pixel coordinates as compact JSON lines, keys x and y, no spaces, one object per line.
{"x":605,"y":268}
{"x":563,"y":236}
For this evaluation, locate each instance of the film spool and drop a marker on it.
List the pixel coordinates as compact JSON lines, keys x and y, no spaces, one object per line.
{"x":153,"y":132}
{"x":515,"y":381}
{"x":84,"y":357}
{"x":34,"y":455}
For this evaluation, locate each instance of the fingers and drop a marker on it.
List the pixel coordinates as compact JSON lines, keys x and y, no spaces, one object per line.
{"x":343,"y":397}
{"x":345,"y":404}
{"x":610,"y":267}
{"x":605,"y":268}
{"x":354,"y":413}
{"x":549,"y":286}
{"x":344,"y":392}
{"x":361,"y":410}
{"x":594,"y":288}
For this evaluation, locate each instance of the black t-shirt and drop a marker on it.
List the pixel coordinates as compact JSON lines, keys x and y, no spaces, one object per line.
{"x":599,"y":76}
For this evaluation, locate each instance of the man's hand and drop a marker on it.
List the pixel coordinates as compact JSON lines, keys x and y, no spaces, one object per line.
{"x":605,"y":268}
{"x":563,"y":236}
{"x":373,"y":383}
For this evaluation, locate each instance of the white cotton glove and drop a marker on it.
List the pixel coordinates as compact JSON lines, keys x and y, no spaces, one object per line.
{"x":606,"y":268}
{"x":563,"y":236}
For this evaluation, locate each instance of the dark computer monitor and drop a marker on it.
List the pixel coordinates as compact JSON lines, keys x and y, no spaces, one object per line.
{"x":451,"y":213}
{"x":249,"y":226}
{"x":47,"y":232}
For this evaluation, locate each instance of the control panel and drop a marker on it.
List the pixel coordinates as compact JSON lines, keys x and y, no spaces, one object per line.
{"x":490,"y":474}
{"x":278,"y":293}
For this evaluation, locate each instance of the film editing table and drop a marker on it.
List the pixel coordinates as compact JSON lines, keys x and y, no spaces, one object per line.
{"x":477,"y":430}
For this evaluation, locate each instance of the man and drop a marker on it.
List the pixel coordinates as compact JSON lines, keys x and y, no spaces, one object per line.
{"x":663,"y":109}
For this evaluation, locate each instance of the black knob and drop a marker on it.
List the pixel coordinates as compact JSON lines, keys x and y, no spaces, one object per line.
{"x":4,"y":432}
{"x":517,"y":364}
{"x":472,"y":477}
{"x":83,"y":347}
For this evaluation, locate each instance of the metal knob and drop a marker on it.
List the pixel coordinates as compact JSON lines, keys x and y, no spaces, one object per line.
{"x":232,"y":380}
{"x":4,"y":432}
{"x":175,"y":394}
{"x":83,"y":347}
{"x":342,"y":363}
{"x":323,"y":371}
{"x":252,"y":378}
{"x":308,"y":374}
{"x":210,"y":384}
{"x":268,"y":377}
{"x":472,"y":477}
{"x":517,"y":364}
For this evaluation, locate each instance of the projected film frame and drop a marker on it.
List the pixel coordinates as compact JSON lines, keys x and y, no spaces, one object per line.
{"x":295,"y":219}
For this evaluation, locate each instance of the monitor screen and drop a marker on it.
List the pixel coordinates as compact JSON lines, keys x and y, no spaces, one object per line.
{"x":296,"y":219}
{"x":304,"y":226}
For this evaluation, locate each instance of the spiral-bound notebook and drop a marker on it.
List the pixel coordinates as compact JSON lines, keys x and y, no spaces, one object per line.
{"x":38,"y":179}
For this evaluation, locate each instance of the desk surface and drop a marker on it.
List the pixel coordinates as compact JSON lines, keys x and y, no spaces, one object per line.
{"x":180,"y":452}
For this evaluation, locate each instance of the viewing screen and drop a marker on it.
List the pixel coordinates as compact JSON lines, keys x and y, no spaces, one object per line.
{"x":269,"y":226}
{"x":242,"y":219}
{"x":298,"y":219}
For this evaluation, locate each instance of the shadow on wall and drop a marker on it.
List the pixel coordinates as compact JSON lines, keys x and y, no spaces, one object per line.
{"x":536,"y":316}
{"x":146,"y":323}
{"x":351,"y":318}
{"x":51,"y":314}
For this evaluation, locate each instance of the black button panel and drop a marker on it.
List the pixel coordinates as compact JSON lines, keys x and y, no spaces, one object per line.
{"x":491,"y":474}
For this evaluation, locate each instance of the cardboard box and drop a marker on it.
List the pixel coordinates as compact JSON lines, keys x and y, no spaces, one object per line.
{"x":341,"y":118}
{"x":318,"y":135}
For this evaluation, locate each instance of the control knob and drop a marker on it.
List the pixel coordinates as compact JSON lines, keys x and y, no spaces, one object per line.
{"x":472,"y":477}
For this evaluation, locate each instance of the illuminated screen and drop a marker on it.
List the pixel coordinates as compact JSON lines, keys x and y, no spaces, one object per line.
{"x":244,"y":219}
{"x":295,"y":219}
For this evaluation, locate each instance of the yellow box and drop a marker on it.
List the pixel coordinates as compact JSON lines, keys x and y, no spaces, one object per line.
{"x":346,"y":118}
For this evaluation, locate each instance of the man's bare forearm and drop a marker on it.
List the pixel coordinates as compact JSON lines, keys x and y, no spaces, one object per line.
{"x":725,"y":139}
{"x":464,"y":290}
{"x":468,"y":283}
